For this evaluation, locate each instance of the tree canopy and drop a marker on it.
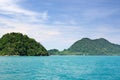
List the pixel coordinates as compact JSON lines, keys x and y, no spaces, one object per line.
{"x":95,"y":47}
{"x":53,"y":52}
{"x":19,"y":44}
{"x":87,"y":46}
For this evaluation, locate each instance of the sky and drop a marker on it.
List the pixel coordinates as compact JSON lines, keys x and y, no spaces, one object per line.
{"x":59,"y":23}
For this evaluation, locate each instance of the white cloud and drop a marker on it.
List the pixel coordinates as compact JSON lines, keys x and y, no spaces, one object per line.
{"x":67,"y":22}
{"x":19,"y":14}
{"x":55,"y":36}
{"x":61,"y":36}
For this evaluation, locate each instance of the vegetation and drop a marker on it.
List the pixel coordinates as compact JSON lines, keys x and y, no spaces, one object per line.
{"x":54,"y":52}
{"x":100,"y":46}
{"x":87,"y":46}
{"x":19,"y":44}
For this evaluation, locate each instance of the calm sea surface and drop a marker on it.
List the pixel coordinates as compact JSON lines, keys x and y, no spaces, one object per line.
{"x":60,"y":68}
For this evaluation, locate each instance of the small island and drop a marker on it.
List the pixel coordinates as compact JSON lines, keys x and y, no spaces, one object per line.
{"x":18,"y":44}
{"x":87,"y":46}
{"x":21,"y":45}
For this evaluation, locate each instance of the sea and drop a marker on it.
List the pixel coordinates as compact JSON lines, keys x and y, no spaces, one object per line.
{"x":60,"y":67}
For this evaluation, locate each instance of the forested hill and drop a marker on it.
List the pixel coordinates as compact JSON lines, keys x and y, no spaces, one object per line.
{"x":100,"y":46}
{"x":19,"y":44}
{"x":86,"y":46}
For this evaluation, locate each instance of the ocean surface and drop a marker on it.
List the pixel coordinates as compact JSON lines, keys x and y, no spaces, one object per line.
{"x":60,"y":68}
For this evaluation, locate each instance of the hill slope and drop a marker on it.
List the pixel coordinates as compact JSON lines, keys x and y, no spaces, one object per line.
{"x":19,"y":44}
{"x":100,"y":46}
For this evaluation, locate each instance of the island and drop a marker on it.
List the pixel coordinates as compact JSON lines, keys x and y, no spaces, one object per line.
{"x":87,"y":46}
{"x":21,"y":45}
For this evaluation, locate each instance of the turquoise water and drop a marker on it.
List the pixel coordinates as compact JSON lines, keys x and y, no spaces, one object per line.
{"x":60,"y":68}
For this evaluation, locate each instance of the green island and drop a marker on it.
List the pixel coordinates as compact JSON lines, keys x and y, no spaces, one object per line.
{"x":21,"y":45}
{"x":88,"y":46}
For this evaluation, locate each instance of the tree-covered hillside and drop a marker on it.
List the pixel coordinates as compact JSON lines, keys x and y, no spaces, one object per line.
{"x":54,"y":52}
{"x":19,"y":44}
{"x":87,"y":46}
{"x":100,"y":46}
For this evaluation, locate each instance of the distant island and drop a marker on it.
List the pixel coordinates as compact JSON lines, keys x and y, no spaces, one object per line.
{"x":22,"y":45}
{"x":88,"y":46}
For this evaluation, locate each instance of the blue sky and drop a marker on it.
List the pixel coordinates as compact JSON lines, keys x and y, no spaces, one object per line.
{"x":59,"y":23}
